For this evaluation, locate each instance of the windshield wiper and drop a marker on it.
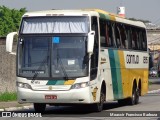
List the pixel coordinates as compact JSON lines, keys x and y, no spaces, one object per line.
{"x":40,"y":67}
{"x":86,"y":59}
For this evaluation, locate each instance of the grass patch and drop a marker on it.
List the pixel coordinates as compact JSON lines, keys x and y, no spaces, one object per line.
{"x":8,"y":96}
{"x":149,"y":83}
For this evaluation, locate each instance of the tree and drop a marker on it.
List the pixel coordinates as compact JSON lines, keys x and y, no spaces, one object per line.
{"x":10,"y":19}
{"x":144,"y":21}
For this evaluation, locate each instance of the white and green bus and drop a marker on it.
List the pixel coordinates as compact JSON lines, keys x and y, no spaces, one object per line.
{"x":86,"y":57}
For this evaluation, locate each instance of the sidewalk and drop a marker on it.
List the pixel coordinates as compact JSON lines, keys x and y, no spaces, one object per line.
{"x":154,"y":87}
{"x":14,"y":105}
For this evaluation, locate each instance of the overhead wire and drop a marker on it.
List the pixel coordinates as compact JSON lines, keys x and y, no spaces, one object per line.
{"x":155,"y":21}
{"x":155,"y":40}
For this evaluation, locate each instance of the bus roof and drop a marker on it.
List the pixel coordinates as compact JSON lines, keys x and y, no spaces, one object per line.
{"x":85,"y":12}
{"x":114,"y":17}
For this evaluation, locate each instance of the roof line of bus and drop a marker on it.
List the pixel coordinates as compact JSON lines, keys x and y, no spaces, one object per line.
{"x":102,"y":14}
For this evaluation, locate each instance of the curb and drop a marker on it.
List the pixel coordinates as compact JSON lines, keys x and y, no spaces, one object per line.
{"x":154,"y":91}
{"x":16,"y":108}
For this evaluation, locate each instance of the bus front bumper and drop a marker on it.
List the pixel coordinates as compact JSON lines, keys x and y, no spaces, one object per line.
{"x":73,"y":96}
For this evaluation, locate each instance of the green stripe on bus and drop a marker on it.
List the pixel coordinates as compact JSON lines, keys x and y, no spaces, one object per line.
{"x":60,"y":82}
{"x":51,"y":82}
{"x":55,"y":82}
{"x":116,"y":74}
{"x":104,"y":16}
{"x":113,"y":73}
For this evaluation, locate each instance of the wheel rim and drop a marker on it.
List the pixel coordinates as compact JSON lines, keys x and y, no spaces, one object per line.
{"x":137,"y":96}
{"x":134,"y":96}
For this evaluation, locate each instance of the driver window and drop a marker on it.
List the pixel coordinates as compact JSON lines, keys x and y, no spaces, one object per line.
{"x":94,"y":56}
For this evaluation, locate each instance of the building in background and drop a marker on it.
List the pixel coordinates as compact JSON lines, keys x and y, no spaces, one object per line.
{"x":121,"y":11}
{"x":153,"y":36}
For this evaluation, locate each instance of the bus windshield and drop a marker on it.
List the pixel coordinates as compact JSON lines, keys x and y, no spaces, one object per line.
{"x":52,"y":57}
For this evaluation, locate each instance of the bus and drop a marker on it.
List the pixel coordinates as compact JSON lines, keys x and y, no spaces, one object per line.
{"x":79,"y":57}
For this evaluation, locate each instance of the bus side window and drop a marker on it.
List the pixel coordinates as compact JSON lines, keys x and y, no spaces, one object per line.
{"x":110,"y":34}
{"x":127,"y":37}
{"x":134,"y":39}
{"x":124,"y":42}
{"x":107,"y":35}
{"x":114,"y":36}
{"x":118,"y":36}
{"x":144,"y":40}
{"x":103,"y":33}
{"x":129,"y":34}
{"x":140,"y":39}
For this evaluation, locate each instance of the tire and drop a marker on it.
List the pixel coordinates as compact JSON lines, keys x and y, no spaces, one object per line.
{"x":98,"y":107}
{"x":122,"y":102}
{"x":39,"y":107}
{"x":135,"y":96}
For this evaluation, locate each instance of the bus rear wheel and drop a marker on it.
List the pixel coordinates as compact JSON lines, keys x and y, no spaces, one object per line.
{"x":39,"y":107}
{"x":134,"y":99}
{"x":137,"y":96}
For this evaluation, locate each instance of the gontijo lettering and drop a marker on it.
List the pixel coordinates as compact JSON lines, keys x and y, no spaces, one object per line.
{"x":132,"y":59}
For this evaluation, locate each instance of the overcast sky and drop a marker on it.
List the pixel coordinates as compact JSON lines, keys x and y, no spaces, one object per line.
{"x":140,"y":9}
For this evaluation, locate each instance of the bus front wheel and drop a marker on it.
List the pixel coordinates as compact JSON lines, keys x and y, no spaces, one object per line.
{"x":98,"y":107}
{"x":39,"y":107}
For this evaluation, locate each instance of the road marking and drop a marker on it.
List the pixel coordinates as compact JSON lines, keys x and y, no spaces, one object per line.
{"x":154,"y":91}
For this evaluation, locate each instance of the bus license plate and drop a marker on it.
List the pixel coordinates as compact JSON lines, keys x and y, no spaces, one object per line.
{"x":51,"y":97}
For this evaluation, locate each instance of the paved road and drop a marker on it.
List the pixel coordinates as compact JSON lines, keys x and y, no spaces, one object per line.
{"x":150,"y":102}
{"x":154,"y":80}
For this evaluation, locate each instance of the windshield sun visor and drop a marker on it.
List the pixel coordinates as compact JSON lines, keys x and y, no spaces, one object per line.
{"x":55,"y":25}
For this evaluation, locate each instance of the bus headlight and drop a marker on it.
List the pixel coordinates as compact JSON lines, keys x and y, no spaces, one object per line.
{"x":80,"y":85}
{"x":23,"y":85}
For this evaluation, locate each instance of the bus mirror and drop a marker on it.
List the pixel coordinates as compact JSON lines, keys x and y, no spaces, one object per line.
{"x":9,"y":42}
{"x":90,"y":42}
